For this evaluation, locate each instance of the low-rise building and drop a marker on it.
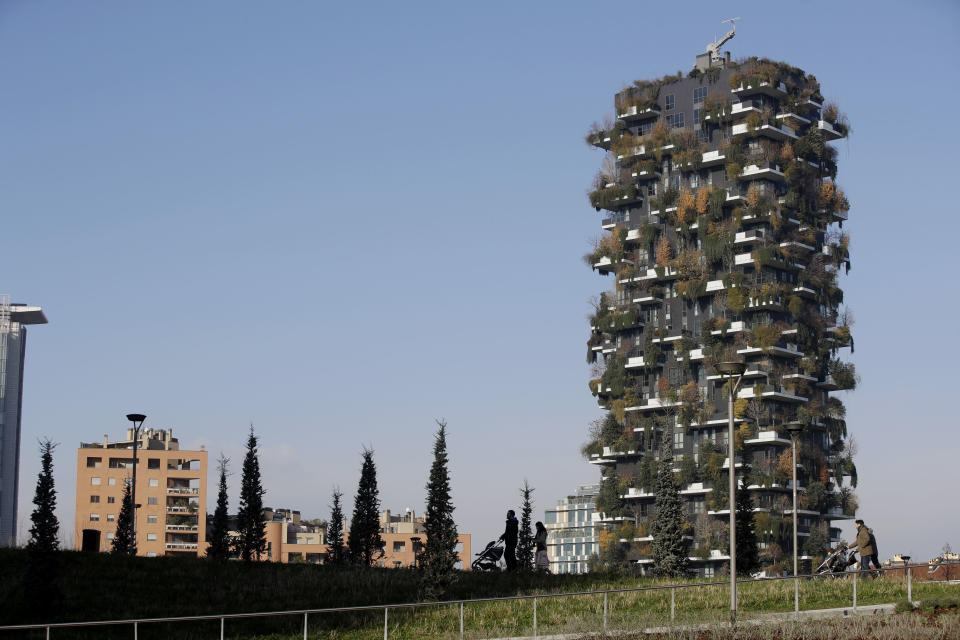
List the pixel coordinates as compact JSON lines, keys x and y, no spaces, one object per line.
{"x":171,"y":491}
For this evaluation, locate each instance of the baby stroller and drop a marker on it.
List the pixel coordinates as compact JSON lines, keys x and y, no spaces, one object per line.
{"x":489,"y":558}
{"x":837,"y":562}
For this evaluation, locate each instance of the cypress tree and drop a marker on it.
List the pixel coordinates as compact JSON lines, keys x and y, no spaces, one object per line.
{"x":123,"y":540}
{"x":218,"y":536}
{"x":669,"y":547}
{"x":440,"y":555}
{"x":251,"y":540}
{"x":365,"y":543}
{"x":525,"y":543}
{"x":41,"y":580}
{"x":45,"y":532}
{"x":748,"y":560}
{"x":337,"y":553}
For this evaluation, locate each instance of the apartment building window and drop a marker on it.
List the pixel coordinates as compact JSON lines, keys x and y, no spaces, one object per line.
{"x":154,"y":482}
{"x":694,"y":180}
{"x":94,"y":517}
{"x":644,"y":128}
{"x":94,"y":463}
{"x":151,"y":537}
{"x":678,"y":439}
{"x":111,"y":517}
{"x":151,"y":554}
{"x":94,"y":499}
{"x":151,"y":519}
{"x":152,"y":500}
{"x":699,"y":95}
{"x":111,"y":499}
{"x":398,"y":546}
{"x":110,"y":536}
{"x":153,"y":463}
{"x":683,"y":318}
{"x":95,"y":482}
{"x":110,"y":482}
{"x":671,"y":102}
{"x":708,"y":572}
{"x":675,"y":120}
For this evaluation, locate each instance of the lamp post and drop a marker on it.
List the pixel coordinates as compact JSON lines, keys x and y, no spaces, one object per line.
{"x":795,"y":429}
{"x":730,"y":370}
{"x":137,"y":420}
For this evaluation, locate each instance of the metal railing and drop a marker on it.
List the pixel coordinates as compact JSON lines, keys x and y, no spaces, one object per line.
{"x":306,"y":613}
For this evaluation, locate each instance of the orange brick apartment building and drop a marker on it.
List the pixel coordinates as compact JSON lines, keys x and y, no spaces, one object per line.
{"x":171,"y":489}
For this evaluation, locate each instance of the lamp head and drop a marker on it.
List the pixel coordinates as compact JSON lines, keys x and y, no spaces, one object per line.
{"x":730,"y":368}
{"x":136,"y":417}
{"x":795,"y":428}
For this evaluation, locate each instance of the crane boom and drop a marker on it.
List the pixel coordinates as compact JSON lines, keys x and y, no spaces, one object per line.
{"x":714,"y":47}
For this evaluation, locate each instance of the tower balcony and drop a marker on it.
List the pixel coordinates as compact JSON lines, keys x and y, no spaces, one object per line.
{"x":774,"y":131}
{"x":793,"y":120}
{"x":766,"y":438}
{"x":637,"y":113}
{"x":829,"y":130}
{"x":787,"y":352}
{"x":768,"y":172}
{"x":774,"y":91}
{"x":744,"y":107}
{"x":713,"y":158}
{"x":638,"y":151}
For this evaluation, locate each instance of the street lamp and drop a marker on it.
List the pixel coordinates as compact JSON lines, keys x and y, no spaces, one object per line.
{"x":137,"y":420}
{"x":730,"y":370}
{"x":795,"y":429}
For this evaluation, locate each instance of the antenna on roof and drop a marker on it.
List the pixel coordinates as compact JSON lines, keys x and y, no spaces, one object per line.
{"x":714,"y":47}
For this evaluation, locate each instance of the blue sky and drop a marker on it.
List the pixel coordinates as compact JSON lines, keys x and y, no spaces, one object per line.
{"x":341,"y":222}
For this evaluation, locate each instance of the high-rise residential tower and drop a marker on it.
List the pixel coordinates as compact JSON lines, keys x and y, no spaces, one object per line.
{"x":13,"y":347}
{"x":722,"y":242}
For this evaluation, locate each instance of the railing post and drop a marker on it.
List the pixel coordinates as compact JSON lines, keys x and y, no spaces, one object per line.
{"x":305,"y":614}
{"x":48,"y":633}
{"x":855,"y":590}
{"x":461,"y":621}
{"x":796,"y":596}
{"x":673,"y":603}
{"x":385,"y":610}
{"x":221,"y":628}
{"x":134,"y":630}
{"x":604,"y":611}
{"x":909,"y":587}
{"x":534,"y":619}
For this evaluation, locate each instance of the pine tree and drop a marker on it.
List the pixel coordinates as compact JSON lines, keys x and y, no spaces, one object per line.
{"x":218,"y":536}
{"x":45,"y":532}
{"x":440,"y":555}
{"x":123,"y":538}
{"x":525,"y":543}
{"x":251,"y":542}
{"x":669,"y":547}
{"x":337,"y":553}
{"x":365,"y":543}
{"x":748,"y":560}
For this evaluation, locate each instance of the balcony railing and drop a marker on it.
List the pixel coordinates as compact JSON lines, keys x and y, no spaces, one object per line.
{"x":186,"y":491}
{"x":187,"y":546}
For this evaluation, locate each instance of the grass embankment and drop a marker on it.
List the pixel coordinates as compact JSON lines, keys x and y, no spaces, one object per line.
{"x":101,"y":586}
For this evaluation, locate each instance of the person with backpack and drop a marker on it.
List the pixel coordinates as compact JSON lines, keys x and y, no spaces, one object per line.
{"x":866,"y":544}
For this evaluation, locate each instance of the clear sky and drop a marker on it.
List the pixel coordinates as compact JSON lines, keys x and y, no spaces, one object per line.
{"x":342,"y":221}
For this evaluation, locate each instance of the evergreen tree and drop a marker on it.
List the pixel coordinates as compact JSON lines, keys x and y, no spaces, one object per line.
{"x":218,"y":536}
{"x":440,"y":555}
{"x":45,"y":532}
{"x":669,"y":547}
{"x":365,"y":543}
{"x":338,"y":553}
{"x":123,"y":538}
{"x":251,"y":540}
{"x":748,"y":560}
{"x":526,"y":546}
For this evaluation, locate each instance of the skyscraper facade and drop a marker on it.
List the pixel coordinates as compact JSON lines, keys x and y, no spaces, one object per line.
{"x":722,"y":241}
{"x":13,"y":346}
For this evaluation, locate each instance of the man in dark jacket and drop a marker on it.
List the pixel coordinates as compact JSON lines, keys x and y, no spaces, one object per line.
{"x":867,"y":545}
{"x":509,"y":537}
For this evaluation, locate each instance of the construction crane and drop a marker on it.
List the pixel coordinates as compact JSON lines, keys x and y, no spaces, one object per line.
{"x":714,"y":47}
